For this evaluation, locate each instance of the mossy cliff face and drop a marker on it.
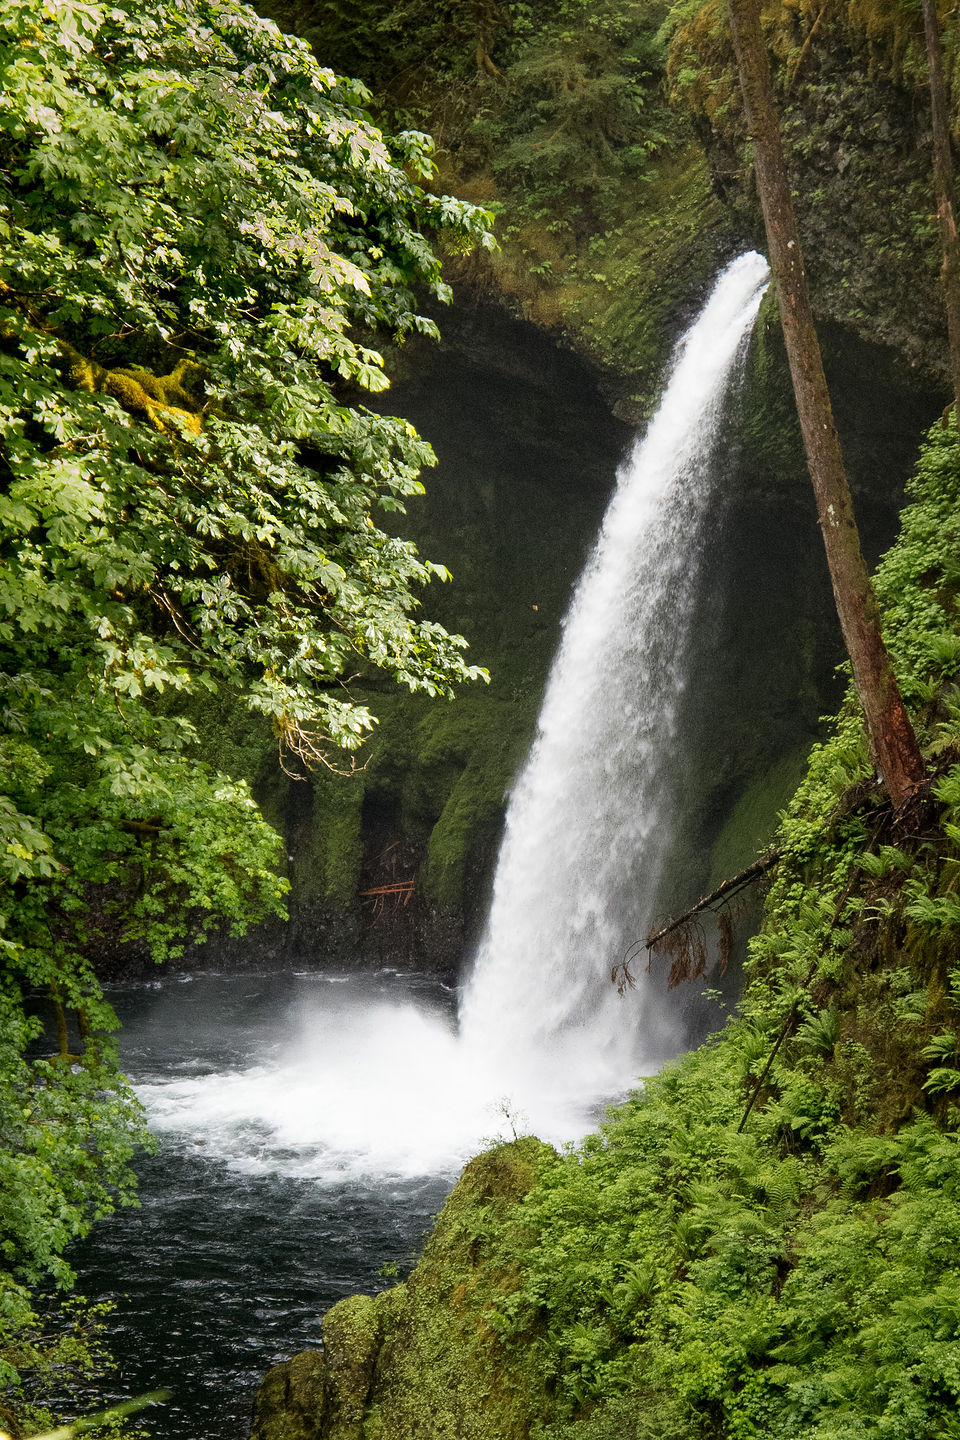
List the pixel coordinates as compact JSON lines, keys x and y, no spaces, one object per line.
{"x":609,"y":138}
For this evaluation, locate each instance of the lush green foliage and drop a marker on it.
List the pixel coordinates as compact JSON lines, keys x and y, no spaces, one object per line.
{"x":579,"y":112}
{"x":556,"y":116}
{"x":561,"y":102}
{"x":200,"y":232}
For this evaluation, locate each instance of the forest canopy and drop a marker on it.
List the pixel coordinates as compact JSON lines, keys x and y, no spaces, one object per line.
{"x":201,"y":232}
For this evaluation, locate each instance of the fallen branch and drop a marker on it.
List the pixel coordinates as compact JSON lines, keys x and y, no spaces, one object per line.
{"x":685,"y":939}
{"x":792,"y":70}
{"x":144,"y":827}
{"x":722,"y":892}
{"x":163,"y":400}
{"x":400,"y":892}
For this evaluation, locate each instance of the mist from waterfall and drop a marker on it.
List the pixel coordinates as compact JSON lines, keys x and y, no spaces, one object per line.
{"x":363,"y":1079}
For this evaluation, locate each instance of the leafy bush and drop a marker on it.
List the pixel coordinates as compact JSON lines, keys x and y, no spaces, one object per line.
{"x":201,"y":231}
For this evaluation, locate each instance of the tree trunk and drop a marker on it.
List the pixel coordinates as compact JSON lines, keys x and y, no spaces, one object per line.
{"x":63,"y":1039}
{"x":893,"y":745}
{"x":943,"y":184}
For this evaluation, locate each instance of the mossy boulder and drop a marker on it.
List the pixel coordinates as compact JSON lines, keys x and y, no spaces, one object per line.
{"x":442,"y":1371}
{"x":322,"y":1395}
{"x":293,"y":1400}
{"x":352,"y":1333}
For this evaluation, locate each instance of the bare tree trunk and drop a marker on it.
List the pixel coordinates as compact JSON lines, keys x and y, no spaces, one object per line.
{"x":943,"y":184}
{"x":893,"y":745}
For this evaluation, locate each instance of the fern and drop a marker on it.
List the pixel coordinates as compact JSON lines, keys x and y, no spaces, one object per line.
{"x":911,"y":1009}
{"x":941,"y":1047}
{"x":942,"y":1081}
{"x":820,"y":1032}
{"x":885,"y":859}
{"x":944,"y":649}
{"x":937,"y":911}
{"x":858,"y":1159}
{"x":781,"y":1184}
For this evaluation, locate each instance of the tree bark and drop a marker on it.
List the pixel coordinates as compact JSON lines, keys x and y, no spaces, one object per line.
{"x":943,"y":184}
{"x":63,"y":1039}
{"x":893,"y":745}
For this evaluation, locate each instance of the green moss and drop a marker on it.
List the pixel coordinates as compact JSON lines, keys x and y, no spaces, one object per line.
{"x":293,"y":1400}
{"x":858,"y":146}
{"x":753,"y":820}
{"x":767,"y":426}
{"x":620,"y":301}
{"x":329,"y":854}
{"x":615,"y":296}
{"x":489,"y":744}
{"x":352,"y":1333}
{"x":439,"y":774}
{"x":442,"y":1370}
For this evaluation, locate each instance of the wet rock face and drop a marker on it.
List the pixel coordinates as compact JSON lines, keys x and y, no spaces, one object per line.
{"x":856,"y":132}
{"x":860,"y":147}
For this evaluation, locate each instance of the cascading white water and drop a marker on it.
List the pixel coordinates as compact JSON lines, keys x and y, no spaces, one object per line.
{"x":587,"y":823}
{"x":363,"y":1086}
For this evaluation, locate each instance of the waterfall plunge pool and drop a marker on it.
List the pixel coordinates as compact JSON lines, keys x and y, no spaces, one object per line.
{"x":311,"y":1125}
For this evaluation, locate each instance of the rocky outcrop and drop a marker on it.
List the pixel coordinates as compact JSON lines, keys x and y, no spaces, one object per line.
{"x":425,"y":1358}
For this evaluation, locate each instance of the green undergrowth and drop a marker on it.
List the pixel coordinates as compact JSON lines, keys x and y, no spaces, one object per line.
{"x":701,"y":1270}
{"x":556,"y":116}
{"x":765,"y":1240}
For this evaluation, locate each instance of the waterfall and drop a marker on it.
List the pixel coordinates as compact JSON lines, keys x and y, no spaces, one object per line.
{"x":587,"y":822}
{"x":366,"y":1084}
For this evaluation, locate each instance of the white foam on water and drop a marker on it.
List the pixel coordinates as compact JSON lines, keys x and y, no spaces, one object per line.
{"x":359,"y":1090}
